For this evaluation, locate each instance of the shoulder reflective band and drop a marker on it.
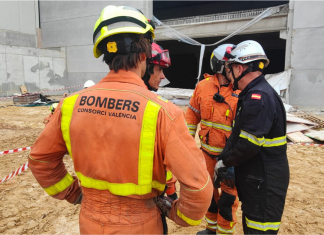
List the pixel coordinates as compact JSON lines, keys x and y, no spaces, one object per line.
{"x":216,"y":125}
{"x":226,"y":231}
{"x":188,"y":220}
{"x":168,"y":175}
{"x":145,"y":162}
{"x":67,"y":110}
{"x":193,"y":109}
{"x":262,"y":226}
{"x":211,"y":148}
{"x":275,"y":142}
{"x":60,"y":186}
{"x":253,"y":139}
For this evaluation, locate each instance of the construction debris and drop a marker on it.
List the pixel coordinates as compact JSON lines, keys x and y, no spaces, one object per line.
{"x":317,"y":135}
{"x":298,"y":137}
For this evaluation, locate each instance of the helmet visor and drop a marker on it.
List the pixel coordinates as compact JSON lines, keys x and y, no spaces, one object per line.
{"x":162,"y":58}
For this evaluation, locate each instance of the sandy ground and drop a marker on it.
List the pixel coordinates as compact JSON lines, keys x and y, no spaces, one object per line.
{"x":25,"y":208}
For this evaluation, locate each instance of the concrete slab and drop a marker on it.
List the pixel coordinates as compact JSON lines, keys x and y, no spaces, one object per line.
{"x":81,"y":78}
{"x":3,"y":69}
{"x":3,"y":37}
{"x":29,"y":51}
{"x":20,"y":39}
{"x":15,"y":72}
{"x":311,"y":12}
{"x":2,"y":49}
{"x":68,"y":32}
{"x":27,"y":17}
{"x":81,"y":59}
{"x":305,"y":48}
{"x":9,"y":14}
{"x":306,"y":88}
{"x":31,"y":74}
{"x":46,"y":72}
{"x":50,"y":53}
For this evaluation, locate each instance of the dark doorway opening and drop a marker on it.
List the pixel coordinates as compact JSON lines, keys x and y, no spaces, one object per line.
{"x":185,"y":58}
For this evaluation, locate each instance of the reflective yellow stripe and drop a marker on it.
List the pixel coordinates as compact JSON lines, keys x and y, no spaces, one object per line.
{"x":262,"y":226}
{"x":252,"y":138}
{"x":211,"y":227}
{"x":147,"y":141}
{"x":278,"y":141}
{"x":192,"y":132}
{"x":67,"y":110}
{"x":169,"y":175}
{"x":223,"y":230}
{"x":216,"y":125}
{"x":192,"y":127}
{"x":275,"y":142}
{"x":119,"y":189}
{"x":227,"y":112}
{"x":211,"y":148}
{"x":146,"y":153}
{"x":210,"y":221}
{"x":188,"y":220}
{"x":60,"y":186}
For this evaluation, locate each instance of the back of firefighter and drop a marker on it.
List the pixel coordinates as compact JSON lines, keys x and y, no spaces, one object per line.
{"x":121,"y":138}
{"x":216,"y":118}
{"x":257,"y":147}
{"x":154,"y":74}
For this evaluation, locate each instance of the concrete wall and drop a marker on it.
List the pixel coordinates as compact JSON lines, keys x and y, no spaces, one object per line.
{"x":70,"y":24}
{"x":18,"y":23}
{"x":307,"y":58}
{"x":37,"y":69}
{"x":21,"y":63}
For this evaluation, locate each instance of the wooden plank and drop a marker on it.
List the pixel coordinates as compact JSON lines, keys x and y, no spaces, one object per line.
{"x":294,"y":127}
{"x":295,"y":119}
{"x":23,"y":89}
{"x":317,"y":135}
{"x":298,"y":137}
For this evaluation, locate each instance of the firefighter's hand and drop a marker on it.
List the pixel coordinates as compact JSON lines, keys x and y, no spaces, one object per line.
{"x":164,"y":203}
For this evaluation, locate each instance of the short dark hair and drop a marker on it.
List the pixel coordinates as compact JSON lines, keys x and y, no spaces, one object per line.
{"x":130,"y":60}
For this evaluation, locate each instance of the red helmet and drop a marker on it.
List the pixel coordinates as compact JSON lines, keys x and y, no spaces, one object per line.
{"x":160,"y":57}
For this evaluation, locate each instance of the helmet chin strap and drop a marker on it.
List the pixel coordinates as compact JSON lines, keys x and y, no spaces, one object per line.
{"x":236,"y":80}
{"x":224,"y":74}
{"x":147,"y":75}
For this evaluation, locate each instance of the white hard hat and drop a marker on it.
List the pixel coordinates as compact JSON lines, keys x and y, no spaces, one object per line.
{"x":217,"y":59}
{"x":88,"y":83}
{"x":248,"y":51}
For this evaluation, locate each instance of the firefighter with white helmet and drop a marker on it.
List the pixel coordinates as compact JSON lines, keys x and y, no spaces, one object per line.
{"x":88,"y":83}
{"x":213,"y":104}
{"x":257,"y":146}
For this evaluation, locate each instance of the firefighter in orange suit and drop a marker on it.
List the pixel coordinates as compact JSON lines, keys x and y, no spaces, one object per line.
{"x":122,"y":137}
{"x":154,"y":74}
{"x":213,"y":104}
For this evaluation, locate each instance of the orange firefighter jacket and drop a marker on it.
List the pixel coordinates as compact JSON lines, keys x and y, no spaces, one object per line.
{"x":121,"y":138}
{"x":216,"y":118}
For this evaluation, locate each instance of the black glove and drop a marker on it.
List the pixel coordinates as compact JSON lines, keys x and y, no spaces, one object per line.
{"x":164,"y":203}
{"x":227,"y":176}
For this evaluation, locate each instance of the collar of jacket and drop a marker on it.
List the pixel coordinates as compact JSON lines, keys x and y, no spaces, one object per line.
{"x":216,"y":82}
{"x":124,"y":76}
{"x":250,"y":85}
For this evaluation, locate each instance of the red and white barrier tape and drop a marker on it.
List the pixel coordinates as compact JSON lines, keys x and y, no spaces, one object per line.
{"x":16,"y":172}
{"x":14,"y":150}
{"x":318,"y":145}
{"x":64,"y":88}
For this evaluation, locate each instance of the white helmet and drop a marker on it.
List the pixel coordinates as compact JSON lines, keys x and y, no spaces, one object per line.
{"x":218,"y":57}
{"x":88,"y":83}
{"x":248,"y":51}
